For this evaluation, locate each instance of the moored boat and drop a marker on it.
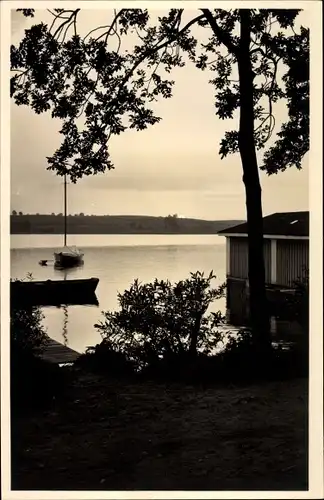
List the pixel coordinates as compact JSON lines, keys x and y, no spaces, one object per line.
{"x":53,"y":292}
{"x":68,"y":257}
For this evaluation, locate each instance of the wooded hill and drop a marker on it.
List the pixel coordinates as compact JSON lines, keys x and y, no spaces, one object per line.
{"x":115,"y":224}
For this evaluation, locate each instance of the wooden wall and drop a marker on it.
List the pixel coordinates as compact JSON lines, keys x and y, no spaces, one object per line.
{"x":292,"y":260}
{"x":239,"y":258}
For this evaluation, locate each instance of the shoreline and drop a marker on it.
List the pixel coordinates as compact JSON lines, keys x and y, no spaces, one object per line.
{"x":114,"y":224}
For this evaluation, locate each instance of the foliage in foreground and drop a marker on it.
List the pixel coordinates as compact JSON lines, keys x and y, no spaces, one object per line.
{"x":238,"y":363}
{"x":26,"y":329}
{"x":33,"y":381}
{"x":162,"y":332}
{"x":160,"y":319}
{"x":299,"y":302}
{"x":295,"y":308}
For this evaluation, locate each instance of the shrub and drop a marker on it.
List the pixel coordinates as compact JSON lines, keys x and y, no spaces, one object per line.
{"x":240,"y":362}
{"x":33,"y":381}
{"x":296,"y":306}
{"x":163,"y":331}
{"x":26,"y":329}
{"x":160,"y":320}
{"x":202,"y":369}
{"x":103,"y":359}
{"x":300,"y":301}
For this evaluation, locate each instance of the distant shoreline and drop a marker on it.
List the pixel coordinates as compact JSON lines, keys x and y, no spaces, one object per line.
{"x":115,"y":224}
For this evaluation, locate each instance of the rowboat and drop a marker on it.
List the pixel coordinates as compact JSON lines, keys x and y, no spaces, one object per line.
{"x":53,"y":292}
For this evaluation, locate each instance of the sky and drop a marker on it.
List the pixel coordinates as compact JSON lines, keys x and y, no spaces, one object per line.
{"x":172,"y":167}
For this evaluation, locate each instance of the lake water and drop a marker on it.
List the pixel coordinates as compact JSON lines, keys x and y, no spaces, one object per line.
{"x":116,"y":260}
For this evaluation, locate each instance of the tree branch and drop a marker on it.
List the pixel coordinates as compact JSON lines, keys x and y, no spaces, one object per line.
{"x":220,"y":33}
{"x":70,"y":19}
{"x":259,"y":49}
{"x":190,"y":23}
{"x":149,"y":52}
{"x":158,"y":47}
{"x":110,"y":27}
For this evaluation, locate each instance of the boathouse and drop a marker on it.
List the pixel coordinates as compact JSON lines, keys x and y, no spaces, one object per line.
{"x":286,"y":258}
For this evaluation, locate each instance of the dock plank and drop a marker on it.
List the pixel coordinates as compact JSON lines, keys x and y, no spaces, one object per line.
{"x":55,"y":352}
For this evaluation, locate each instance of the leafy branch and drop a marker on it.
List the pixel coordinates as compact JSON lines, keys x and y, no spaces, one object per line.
{"x":57,"y":70}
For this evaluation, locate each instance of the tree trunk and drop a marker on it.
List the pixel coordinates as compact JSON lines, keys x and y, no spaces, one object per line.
{"x":259,"y":316}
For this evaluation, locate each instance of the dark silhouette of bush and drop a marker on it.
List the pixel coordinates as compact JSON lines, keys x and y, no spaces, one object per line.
{"x":162,"y":332}
{"x":183,"y":368}
{"x":239,"y":362}
{"x":103,"y":359}
{"x":160,"y":319}
{"x":33,"y":381}
{"x":299,"y":302}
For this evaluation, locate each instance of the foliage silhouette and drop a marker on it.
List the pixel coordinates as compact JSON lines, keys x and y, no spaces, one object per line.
{"x":26,"y":329}
{"x":296,"y":305}
{"x":105,"y":359}
{"x":71,"y":75}
{"x":160,"y":319}
{"x":33,"y":381}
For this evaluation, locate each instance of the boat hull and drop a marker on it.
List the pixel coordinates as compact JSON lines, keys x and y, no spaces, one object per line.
{"x":64,"y":260}
{"x":53,"y":292}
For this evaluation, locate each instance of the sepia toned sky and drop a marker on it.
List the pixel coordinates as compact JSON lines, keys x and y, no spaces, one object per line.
{"x":172,"y":167}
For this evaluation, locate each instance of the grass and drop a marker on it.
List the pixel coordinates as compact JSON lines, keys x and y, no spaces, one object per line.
{"x":114,"y":435}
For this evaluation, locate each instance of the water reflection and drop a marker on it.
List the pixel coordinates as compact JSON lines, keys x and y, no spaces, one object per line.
{"x":65,"y":324}
{"x":64,"y":273}
{"x":89,"y":300}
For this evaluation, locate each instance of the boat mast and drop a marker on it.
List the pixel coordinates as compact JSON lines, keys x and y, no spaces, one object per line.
{"x":65,"y":210}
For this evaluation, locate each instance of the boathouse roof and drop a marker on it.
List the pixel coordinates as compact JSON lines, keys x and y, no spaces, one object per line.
{"x":290,"y":224}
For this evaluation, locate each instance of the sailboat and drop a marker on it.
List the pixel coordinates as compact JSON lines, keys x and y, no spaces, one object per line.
{"x":67,"y":256}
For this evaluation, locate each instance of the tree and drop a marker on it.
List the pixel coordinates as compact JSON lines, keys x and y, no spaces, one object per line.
{"x":20,"y":213}
{"x":14,"y":212}
{"x":171,"y":221}
{"x":71,"y":75}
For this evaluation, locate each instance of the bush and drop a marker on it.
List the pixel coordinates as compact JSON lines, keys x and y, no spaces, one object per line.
{"x":163,"y":331}
{"x":103,"y":359}
{"x":296,"y":306}
{"x":161,"y":320}
{"x":240,"y":362}
{"x":183,"y":368}
{"x":33,"y":381}
{"x":300,"y":302}
{"x":26,"y":329}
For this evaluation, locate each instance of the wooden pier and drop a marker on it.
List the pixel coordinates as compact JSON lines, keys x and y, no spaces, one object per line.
{"x":55,"y":352}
